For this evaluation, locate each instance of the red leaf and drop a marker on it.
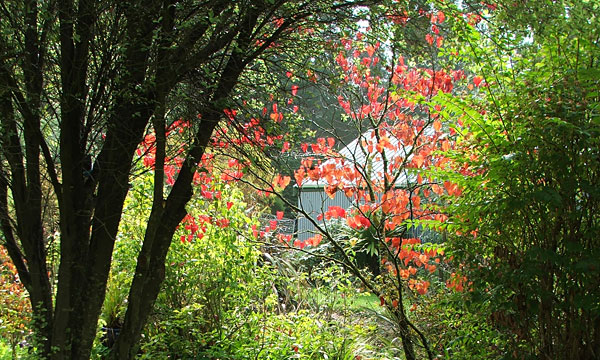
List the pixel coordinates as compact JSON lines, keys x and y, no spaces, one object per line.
{"x":222,"y":223}
{"x":315,"y":240}
{"x":429,"y":39}
{"x":370,"y":50}
{"x":330,"y":191}
{"x":330,"y":142}
{"x":441,"y":17}
{"x":299,"y":176}
{"x":445,"y":145}
{"x":335,"y":212}
{"x":281,"y":182}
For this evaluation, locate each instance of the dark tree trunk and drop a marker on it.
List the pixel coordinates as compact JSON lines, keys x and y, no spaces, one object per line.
{"x":166,"y":215}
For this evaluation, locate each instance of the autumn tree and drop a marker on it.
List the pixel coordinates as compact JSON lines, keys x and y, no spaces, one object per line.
{"x":82,"y":81}
{"x":381,"y":175}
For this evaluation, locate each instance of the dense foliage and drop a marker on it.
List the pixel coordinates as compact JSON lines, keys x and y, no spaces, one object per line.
{"x":15,"y":310}
{"x":529,"y":161}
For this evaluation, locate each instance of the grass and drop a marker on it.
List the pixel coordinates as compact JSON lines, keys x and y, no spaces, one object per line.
{"x":364,"y":301}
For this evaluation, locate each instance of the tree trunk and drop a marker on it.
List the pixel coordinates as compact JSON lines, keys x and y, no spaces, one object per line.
{"x":166,"y":216}
{"x":407,"y":343}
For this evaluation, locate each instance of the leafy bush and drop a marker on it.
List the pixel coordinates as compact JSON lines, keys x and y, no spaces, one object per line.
{"x":213,"y":281}
{"x":526,"y":231}
{"x":15,"y":308}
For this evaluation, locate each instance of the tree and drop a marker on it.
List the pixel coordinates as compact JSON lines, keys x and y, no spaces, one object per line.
{"x":525,"y":232}
{"x":381,"y":175}
{"x":81,"y":83}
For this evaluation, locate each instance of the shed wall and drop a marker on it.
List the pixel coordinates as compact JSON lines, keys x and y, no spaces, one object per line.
{"x":314,"y":201}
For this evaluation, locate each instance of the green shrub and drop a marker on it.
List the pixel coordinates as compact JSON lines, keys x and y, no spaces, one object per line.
{"x":15,"y":308}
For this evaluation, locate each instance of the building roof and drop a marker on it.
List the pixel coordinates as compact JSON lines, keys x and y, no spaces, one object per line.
{"x":357,"y":153}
